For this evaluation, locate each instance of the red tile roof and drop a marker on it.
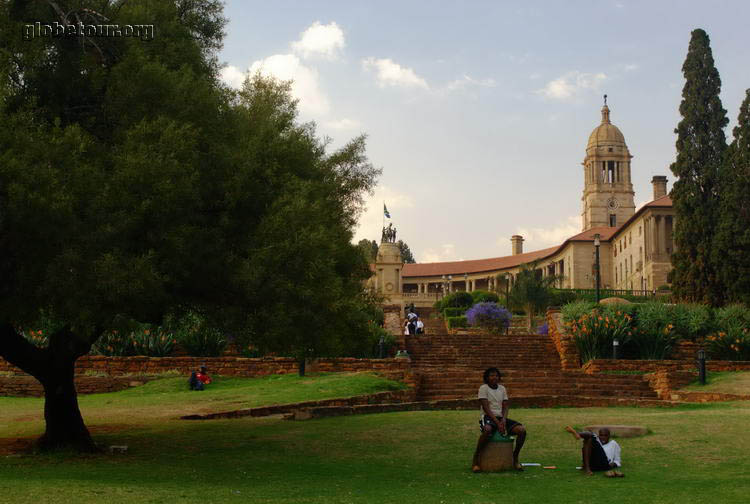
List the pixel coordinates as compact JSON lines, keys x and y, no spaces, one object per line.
{"x":498,"y":263}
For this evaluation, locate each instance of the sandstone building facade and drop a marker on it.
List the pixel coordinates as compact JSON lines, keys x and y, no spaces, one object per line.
{"x":634,"y":246}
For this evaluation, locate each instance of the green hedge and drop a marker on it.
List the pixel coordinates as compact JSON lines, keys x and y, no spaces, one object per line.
{"x":453,"y":312}
{"x":454,"y":322}
{"x":482,"y":296}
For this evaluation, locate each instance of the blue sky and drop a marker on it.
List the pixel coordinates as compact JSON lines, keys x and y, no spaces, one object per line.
{"x":479,"y":112}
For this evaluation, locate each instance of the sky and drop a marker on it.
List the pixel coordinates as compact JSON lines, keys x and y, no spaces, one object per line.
{"x":478,"y":113}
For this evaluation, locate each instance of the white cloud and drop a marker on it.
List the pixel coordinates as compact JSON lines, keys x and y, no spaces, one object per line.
{"x":571,"y":85}
{"x":390,"y":73}
{"x":232,"y":76}
{"x":630,"y":67}
{"x":343,"y":124}
{"x":371,"y":221}
{"x":324,"y":41}
{"x":446,"y":252}
{"x":539,"y":238}
{"x":469,"y":81}
{"x":305,"y":86}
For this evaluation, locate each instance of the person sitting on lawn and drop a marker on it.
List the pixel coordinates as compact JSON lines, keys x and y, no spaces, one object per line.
{"x":493,"y":399}
{"x":600,"y":453}
{"x":194,"y":383}
{"x":203,"y":376}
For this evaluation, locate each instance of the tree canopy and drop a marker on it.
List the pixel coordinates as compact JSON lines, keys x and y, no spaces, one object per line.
{"x":133,"y":183}
{"x":701,"y":145}
{"x":732,"y":251}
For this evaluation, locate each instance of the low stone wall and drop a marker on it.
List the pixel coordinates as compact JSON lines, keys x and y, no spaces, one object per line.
{"x":125,"y":368}
{"x":389,"y":397}
{"x":666,"y":381}
{"x":27,"y":386}
{"x":564,"y":342}
{"x":603,"y":365}
{"x":229,"y":366}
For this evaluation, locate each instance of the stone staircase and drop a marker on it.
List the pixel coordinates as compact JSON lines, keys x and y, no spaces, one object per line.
{"x":450,"y":366}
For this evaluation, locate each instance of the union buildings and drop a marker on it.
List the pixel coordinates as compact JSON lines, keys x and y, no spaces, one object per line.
{"x":635,"y":246}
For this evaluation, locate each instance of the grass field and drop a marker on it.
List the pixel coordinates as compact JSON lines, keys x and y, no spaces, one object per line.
{"x":725,"y":382}
{"x":693,"y":454}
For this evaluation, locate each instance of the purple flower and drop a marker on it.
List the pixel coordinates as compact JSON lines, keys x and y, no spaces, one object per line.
{"x":488,"y":315}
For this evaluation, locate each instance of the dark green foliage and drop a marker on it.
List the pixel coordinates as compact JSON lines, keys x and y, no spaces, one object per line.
{"x":406,"y":254}
{"x":454,"y":322}
{"x":480,"y":296}
{"x":132,"y":183}
{"x":692,"y":321}
{"x":454,"y":312}
{"x":459,"y":299}
{"x":732,"y":251}
{"x":134,"y":338}
{"x":531,"y":291}
{"x":701,"y":145}
{"x":732,"y":338}
{"x":654,"y":335}
{"x":198,"y":337}
{"x":369,"y":249}
{"x":575,"y":310}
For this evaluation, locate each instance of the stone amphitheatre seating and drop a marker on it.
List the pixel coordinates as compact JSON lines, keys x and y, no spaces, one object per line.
{"x":449,"y":365}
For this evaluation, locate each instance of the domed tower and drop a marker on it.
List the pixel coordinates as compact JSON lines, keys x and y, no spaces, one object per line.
{"x":607,"y":190}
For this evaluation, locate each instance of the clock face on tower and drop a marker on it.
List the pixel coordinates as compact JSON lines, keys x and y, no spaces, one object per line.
{"x":612,"y":204}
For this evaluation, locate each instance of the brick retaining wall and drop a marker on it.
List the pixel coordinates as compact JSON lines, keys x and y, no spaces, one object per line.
{"x":564,"y":342}
{"x":125,"y":368}
{"x":27,"y":386}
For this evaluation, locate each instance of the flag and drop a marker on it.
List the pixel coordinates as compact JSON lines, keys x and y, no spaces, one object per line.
{"x":385,"y":211}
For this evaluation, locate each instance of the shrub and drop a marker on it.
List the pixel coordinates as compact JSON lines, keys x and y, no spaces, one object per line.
{"x":456,"y":300}
{"x":489,"y":316}
{"x":574,"y":311}
{"x":692,"y":321}
{"x":153,"y":341}
{"x":560,"y":297}
{"x":453,"y":312}
{"x":594,"y":333}
{"x":113,"y":343}
{"x":199,"y":338}
{"x":133,"y":338}
{"x":654,"y":335}
{"x":481,"y":296}
{"x":454,"y":322}
{"x":732,"y":339}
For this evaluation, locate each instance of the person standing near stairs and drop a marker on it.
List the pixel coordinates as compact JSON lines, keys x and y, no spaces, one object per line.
{"x":493,"y":399}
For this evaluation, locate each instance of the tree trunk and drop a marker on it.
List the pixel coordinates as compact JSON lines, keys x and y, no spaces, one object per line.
{"x":65,"y":427}
{"x":54,"y":367}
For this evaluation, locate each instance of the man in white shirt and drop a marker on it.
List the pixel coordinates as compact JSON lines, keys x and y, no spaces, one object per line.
{"x":600,"y":453}
{"x":493,"y":399}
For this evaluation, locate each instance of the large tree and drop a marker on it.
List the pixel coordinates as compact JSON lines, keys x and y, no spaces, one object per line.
{"x":132,"y":183}
{"x":733,"y":236}
{"x":700,"y":151}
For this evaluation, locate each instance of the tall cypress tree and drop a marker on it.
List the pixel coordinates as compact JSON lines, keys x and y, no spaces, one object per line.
{"x":701,"y":145}
{"x":733,"y":237}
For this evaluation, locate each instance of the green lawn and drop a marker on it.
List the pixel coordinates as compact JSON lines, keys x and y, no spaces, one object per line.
{"x":694,"y":454}
{"x":725,"y":382}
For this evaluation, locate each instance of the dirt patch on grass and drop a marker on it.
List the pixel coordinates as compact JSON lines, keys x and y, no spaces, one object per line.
{"x":16,"y":446}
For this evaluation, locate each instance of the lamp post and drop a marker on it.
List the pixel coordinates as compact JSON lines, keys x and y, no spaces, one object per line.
{"x":598,"y":275}
{"x":702,"y":366}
